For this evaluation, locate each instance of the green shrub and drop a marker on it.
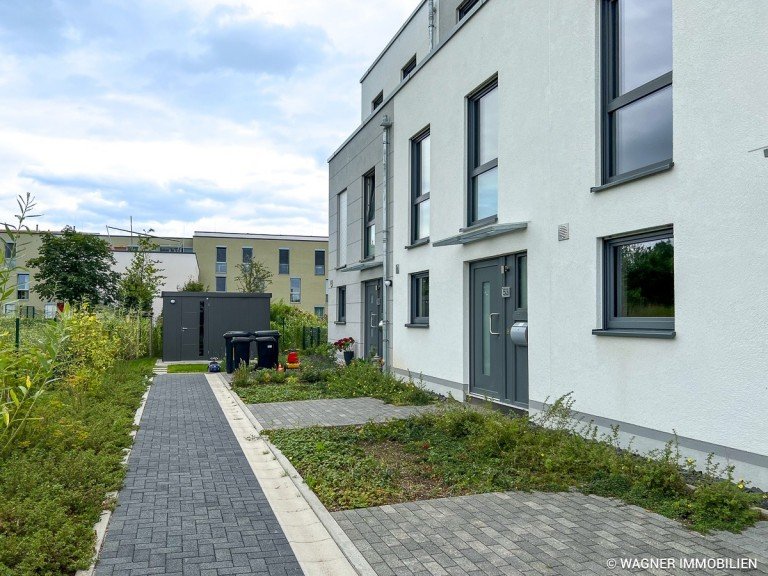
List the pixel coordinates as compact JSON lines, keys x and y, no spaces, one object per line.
{"x":362,"y":378}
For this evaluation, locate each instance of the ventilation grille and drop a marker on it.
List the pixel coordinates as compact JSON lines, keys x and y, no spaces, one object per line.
{"x":563,"y":232}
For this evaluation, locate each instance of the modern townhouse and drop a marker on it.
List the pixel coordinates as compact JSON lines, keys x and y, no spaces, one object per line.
{"x":542,"y":170}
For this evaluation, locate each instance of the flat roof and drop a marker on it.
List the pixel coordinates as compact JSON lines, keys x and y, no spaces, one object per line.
{"x":261,"y":236}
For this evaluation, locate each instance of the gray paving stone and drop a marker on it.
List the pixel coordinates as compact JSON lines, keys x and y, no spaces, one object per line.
{"x":330,"y":412}
{"x":191,"y":504}
{"x":535,"y":534}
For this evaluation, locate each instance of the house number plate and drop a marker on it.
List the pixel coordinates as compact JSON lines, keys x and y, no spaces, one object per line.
{"x":506,"y":292}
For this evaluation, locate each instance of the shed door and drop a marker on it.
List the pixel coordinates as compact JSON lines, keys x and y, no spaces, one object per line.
{"x":192,"y":328}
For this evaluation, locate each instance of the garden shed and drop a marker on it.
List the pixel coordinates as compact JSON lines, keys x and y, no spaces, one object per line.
{"x":194,"y":322}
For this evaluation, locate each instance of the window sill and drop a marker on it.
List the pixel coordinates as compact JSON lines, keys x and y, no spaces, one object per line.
{"x":480,"y":224}
{"x":340,"y":267}
{"x":366,"y":259}
{"x":650,"y":171}
{"x":625,"y":333}
{"x":421,"y":242}
{"x":417,"y":325}
{"x":340,"y":322}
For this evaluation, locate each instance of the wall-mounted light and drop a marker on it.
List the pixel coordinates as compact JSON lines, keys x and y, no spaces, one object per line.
{"x":388,"y":283}
{"x":173,"y":301}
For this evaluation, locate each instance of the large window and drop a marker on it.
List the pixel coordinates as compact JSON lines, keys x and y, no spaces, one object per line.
{"x":247,"y":254}
{"x":341,"y":304}
{"x":221,"y":260}
{"x":10,"y":254}
{"x":484,"y":154}
{"x":295,"y":289}
{"x":319,"y":262}
{"x":284,"y":264}
{"x":640,"y":282}
{"x":637,"y":78}
{"x":221,"y":283}
{"x":420,"y":187}
{"x":342,"y":225}
{"x":420,"y":298}
{"x":22,"y":286}
{"x":369,"y":214}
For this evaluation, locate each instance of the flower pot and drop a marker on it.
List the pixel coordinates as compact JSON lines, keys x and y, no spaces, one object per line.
{"x":348,"y":356}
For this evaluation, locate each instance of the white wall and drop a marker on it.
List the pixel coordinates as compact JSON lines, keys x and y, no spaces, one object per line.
{"x":710,"y":383}
{"x":176,"y":267}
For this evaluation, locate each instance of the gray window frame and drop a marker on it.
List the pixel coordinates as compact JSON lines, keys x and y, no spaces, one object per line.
{"x":249,"y":260}
{"x":409,"y":67}
{"x":612,"y":101}
{"x":21,"y":292}
{"x":610,"y":280}
{"x":473,"y":170}
{"x":224,"y":280}
{"x":416,"y":196}
{"x":280,"y":268}
{"x":322,"y":267}
{"x":416,"y":279}
{"x":465,"y":8}
{"x":221,"y":265}
{"x":378,"y":101}
{"x":369,"y":224}
{"x":291,"y":292}
{"x":341,"y":304}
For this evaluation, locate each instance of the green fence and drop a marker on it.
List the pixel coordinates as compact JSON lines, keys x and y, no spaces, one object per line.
{"x":296,"y":335}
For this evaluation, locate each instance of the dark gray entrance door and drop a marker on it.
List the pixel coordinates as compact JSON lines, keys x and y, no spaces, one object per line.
{"x":192,"y":328}
{"x":372,"y":343}
{"x":498,"y":299}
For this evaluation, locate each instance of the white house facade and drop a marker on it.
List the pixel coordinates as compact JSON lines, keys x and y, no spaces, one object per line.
{"x":576,"y":199}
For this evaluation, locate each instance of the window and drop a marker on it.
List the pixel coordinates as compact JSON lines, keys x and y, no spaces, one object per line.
{"x":221,"y":259}
{"x":420,"y":187}
{"x":637,"y":85}
{"x":410,"y":67}
{"x":49,"y":311}
{"x":10,"y":255}
{"x":369,"y":214}
{"x":22,"y":286}
{"x":640,"y":282}
{"x":341,"y":304}
{"x":342,"y":223}
{"x":10,"y":309}
{"x":284,"y":256}
{"x":378,"y":101}
{"x":420,"y":298}
{"x":319,"y":262}
{"x":295,"y":289}
{"x":483,"y":154}
{"x":247,"y":255}
{"x":466,"y":7}
{"x":319,"y":311}
{"x":221,"y":283}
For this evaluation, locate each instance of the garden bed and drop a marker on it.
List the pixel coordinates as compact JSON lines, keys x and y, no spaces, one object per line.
{"x":187,"y":368}
{"x":462,"y":451}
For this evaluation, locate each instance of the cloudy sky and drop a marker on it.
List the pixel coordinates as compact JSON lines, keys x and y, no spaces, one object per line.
{"x":184,"y":114}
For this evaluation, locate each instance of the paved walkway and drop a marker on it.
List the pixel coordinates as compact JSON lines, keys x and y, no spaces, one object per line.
{"x":191,"y":504}
{"x":534,"y":534}
{"x":330,"y":412}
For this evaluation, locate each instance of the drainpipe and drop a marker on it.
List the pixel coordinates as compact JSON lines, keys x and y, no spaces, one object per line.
{"x":431,"y":9}
{"x":386,"y":123}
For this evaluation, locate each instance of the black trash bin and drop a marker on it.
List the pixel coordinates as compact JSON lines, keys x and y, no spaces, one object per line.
{"x":266,"y":350}
{"x":242,"y":350}
{"x":229,"y":351}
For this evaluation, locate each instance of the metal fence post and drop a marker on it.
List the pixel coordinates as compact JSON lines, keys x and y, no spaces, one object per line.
{"x":18,"y":332}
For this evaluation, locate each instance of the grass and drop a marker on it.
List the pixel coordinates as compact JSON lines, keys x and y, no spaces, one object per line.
{"x":184,"y":368}
{"x":53,"y":484}
{"x":461,"y":451}
{"x":318,"y":379}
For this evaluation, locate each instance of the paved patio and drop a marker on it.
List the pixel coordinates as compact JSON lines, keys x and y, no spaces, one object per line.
{"x":534,"y":534}
{"x":191,"y":504}
{"x":330,"y":412}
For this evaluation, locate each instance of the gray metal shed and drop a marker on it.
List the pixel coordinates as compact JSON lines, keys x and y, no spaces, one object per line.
{"x":194,"y":322}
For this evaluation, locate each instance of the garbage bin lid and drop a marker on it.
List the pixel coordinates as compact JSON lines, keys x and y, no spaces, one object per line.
{"x":241,"y":339}
{"x":273,"y":333}
{"x":234,"y":333}
{"x":265,"y":339}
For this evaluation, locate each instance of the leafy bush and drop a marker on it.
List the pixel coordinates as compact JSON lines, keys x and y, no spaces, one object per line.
{"x":362,"y":378}
{"x":291,"y":321}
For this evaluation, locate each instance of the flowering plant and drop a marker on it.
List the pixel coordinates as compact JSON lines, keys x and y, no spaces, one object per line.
{"x":344,"y":343}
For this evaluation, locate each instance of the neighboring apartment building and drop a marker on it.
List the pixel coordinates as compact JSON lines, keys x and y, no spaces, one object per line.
{"x":297,"y":263}
{"x":538,"y":172}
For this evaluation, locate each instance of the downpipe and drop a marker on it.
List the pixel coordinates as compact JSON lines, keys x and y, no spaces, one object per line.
{"x":386,"y":123}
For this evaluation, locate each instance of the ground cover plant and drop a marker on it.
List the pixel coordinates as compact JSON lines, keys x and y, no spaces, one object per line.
{"x":460,"y":450}
{"x":320,"y":377}
{"x":183,"y":368}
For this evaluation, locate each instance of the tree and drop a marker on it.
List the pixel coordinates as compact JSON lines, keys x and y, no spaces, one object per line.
{"x":192,"y":285}
{"x":141,"y":282}
{"x":75,"y":268}
{"x":253,"y":277}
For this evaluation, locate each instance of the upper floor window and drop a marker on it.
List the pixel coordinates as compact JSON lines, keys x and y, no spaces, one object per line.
{"x":484,"y":154}
{"x":466,"y":7}
{"x":342,"y":229}
{"x":295,"y":289}
{"x":22,"y":286}
{"x":284,"y":264}
{"x":221,"y":259}
{"x":319,"y":262}
{"x":247,"y":255}
{"x":378,"y":101}
{"x":410,"y":67}
{"x":420,"y":186}
{"x":221,"y":283}
{"x":369,"y":214}
{"x":10,"y":250}
{"x":637,"y":85}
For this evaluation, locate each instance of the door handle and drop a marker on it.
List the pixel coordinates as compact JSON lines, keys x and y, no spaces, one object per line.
{"x":373,"y":323}
{"x":490,"y":323}
{"x":184,"y":328}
